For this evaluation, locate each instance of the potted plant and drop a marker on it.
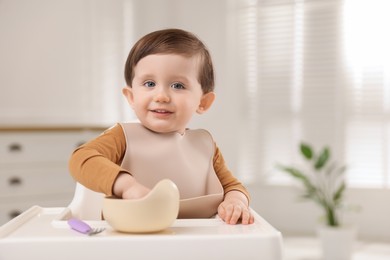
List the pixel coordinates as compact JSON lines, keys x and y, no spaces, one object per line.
{"x":324,"y":183}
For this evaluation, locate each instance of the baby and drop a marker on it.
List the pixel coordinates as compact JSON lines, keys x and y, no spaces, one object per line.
{"x":170,"y":77}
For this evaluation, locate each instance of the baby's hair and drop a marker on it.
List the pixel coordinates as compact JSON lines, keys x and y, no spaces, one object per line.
{"x":172,"y":41}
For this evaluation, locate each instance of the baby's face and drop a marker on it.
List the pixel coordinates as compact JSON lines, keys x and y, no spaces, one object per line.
{"x":165,"y":91}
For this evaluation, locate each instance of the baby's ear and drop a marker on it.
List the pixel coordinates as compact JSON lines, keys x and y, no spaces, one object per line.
{"x":206,"y":102}
{"x":128,"y":93}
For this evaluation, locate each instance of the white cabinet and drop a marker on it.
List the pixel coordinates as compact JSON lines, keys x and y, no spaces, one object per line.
{"x":34,"y":167}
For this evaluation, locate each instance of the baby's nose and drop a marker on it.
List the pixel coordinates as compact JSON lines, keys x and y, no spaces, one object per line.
{"x":162,"y":95}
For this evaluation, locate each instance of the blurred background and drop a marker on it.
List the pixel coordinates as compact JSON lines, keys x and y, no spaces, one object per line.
{"x":287,"y":71}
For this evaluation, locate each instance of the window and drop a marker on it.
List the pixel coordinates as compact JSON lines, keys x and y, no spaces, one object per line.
{"x":368,"y":64}
{"x":315,"y":71}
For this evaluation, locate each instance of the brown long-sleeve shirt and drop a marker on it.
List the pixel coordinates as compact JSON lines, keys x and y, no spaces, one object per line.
{"x":96,"y":164}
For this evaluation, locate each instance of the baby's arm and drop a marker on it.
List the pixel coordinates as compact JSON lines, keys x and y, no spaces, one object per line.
{"x":96,"y":165}
{"x":235,"y":207}
{"x":126,"y":187}
{"x":236,"y":202}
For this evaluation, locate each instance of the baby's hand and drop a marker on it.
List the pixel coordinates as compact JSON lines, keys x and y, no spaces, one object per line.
{"x":235,"y":207}
{"x":136,"y":191}
{"x":126,"y":187}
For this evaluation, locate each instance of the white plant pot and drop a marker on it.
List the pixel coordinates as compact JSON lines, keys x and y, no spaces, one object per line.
{"x":337,"y":242}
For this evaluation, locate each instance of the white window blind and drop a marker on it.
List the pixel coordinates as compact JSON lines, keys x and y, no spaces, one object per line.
{"x":315,"y":71}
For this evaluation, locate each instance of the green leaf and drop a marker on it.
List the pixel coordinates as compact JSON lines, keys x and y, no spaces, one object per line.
{"x":306,"y":151}
{"x":341,"y":170}
{"x":322,"y":159}
{"x":300,"y":176}
{"x":293,"y":172}
{"x":339,"y":193}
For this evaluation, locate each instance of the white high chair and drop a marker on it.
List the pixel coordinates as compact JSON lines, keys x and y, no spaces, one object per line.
{"x":86,"y":204}
{"x":46,"y":230}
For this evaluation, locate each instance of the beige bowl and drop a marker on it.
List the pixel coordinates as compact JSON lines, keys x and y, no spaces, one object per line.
{"x":153,"y":213}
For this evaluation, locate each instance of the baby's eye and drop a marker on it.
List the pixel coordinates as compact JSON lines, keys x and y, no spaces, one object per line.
{"x":177,"y":86}
{"x":149,"y":84}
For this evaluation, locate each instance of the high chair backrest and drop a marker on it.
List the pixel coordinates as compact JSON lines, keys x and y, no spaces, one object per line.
{"x":86,"y":204}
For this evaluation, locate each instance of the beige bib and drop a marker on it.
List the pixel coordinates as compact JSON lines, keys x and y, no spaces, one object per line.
{"x":186,"y":159}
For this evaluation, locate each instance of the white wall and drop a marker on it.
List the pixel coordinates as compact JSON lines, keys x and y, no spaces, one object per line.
{"x":60,"y":62}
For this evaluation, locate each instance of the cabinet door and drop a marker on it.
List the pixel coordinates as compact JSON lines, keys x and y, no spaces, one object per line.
{"x":42,"y":147}
{"x":61,"y":61}
{"x":48,"y":179}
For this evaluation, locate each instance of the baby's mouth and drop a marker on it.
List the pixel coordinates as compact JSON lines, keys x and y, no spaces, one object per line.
{"x":161,"y":111}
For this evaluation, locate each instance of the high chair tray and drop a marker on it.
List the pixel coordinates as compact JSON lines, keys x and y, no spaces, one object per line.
{"x":43,"y":233}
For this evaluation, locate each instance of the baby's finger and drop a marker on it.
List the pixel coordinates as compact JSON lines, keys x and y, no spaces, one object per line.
{"x":221,"y":212}
{"x":245,"y":217}
{"x":229,"y":213}
{"x":251,"y":219}
{"x":236,"y":214}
